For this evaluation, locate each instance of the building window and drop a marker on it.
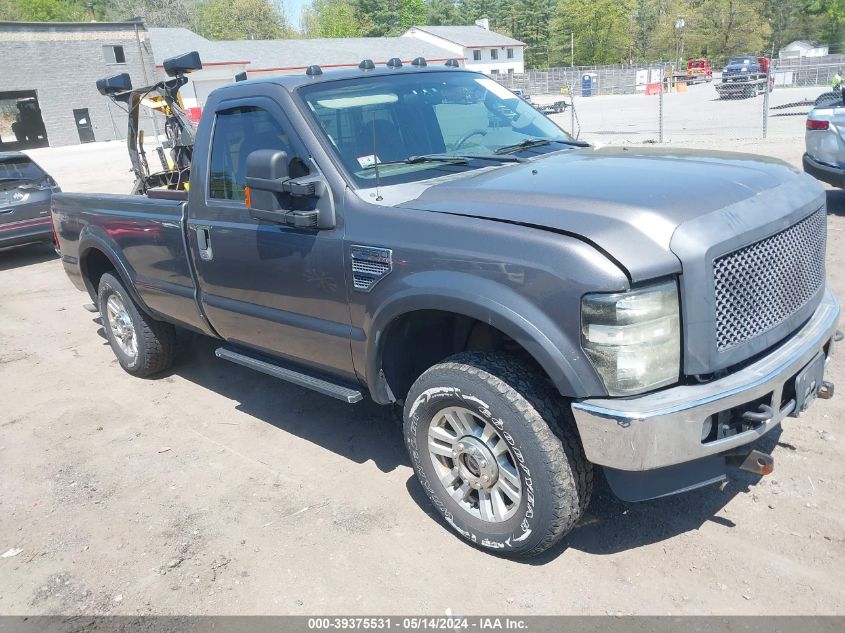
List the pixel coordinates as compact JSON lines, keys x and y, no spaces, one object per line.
{"x":510,"y":53}
{"x":476,"y":55}
{"x":494,"y":72}
{"x":510,"y":72}
{"x":114,"y":55}
{"x":494,"y":53}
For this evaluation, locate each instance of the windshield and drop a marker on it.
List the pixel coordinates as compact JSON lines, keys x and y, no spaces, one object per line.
{"x":19,"y":167}
{"x":741,"y":60}
{"x":391,"y":118}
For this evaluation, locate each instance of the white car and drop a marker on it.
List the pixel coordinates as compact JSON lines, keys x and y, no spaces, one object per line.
{"x":824,"y":158}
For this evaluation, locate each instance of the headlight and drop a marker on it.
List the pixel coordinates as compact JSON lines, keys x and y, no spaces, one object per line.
{"x":633,"y":338}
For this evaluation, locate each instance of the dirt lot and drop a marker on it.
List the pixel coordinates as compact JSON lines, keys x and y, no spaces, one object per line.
{"x":216,"y":490}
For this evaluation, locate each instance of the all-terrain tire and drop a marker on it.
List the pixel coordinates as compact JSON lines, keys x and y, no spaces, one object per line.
{"x":155,"y":340}
{"x":526,"y":410}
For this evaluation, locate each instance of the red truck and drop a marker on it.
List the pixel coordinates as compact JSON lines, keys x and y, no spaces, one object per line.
{"x":699,"y":70}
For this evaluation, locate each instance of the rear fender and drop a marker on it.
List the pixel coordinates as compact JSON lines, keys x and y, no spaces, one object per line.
{"x":93,"y":237}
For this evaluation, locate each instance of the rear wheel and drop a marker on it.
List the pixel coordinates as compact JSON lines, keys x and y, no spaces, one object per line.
{"x":497,"y":453}
{"x":142,"y":345}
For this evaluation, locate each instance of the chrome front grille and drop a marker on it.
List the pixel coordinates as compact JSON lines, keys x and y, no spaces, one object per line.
{"x":762,"y":284}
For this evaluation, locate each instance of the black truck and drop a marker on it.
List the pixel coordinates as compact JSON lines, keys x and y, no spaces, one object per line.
{"x":537,"y":307}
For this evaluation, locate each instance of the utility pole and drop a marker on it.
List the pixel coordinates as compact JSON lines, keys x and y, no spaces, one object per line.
{"x":680,"y":23}
{"x":572,"y":49}
{"x":143,"y":63}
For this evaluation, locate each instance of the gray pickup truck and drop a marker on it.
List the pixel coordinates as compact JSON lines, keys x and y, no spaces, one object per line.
{"x":536,"y":306}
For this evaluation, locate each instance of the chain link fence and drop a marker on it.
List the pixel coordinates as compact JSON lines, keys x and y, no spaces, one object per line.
{"x":658,"y":104}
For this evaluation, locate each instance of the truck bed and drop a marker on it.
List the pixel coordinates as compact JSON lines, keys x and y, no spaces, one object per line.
{"x":148,"y":236}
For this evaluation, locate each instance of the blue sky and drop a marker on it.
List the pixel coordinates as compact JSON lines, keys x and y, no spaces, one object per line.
{"x":293,"y":10}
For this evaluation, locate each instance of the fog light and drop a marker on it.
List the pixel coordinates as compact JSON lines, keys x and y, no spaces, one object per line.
{"x":706,"y":428}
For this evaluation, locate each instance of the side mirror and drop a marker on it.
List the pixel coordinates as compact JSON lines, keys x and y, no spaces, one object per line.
{"x":115,"y":84}
{"x":265,"y":170}
{"x":274,"y":196}
{"x":182,"y":64}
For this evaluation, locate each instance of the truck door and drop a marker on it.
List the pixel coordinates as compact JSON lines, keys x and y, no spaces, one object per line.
{"x":271,"y":287}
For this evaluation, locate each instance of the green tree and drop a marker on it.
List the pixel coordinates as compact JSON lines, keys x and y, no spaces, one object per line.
{"x":530,"y":21}
{"x":380,"y":18}
{"x":730,"y":27}
{"x":412,"y":12}
{"x":44,"y":11}
{"x":331,"y":18}
{"x":471,"y":10}
{"x":442,"y":12}
{"x":8,"y":10}
{"x":154,"y":12}
{"x":604,"y":31}
{"x":832,"y":13}
{"x":241,"y":19}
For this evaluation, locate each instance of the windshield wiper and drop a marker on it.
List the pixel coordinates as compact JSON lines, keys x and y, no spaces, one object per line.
{"x":537,"y":142}
{"x":426,"y":158}
{"x":445,"y":158}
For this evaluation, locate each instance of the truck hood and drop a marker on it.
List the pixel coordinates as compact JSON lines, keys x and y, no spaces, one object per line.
{"x":629,"y":202}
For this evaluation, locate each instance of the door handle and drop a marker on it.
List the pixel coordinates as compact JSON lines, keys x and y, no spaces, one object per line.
{"x":204,"y":243}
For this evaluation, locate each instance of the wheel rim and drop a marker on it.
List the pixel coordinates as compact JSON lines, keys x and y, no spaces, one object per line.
{"x":121,"y":326}
{"x":474,"y":464}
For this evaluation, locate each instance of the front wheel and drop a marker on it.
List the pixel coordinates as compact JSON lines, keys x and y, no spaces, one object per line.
{"x":143,"y":346}
{"x":497,"y":453}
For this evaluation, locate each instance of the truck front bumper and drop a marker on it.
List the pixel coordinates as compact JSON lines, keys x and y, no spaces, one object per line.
{"x":665,"y":429}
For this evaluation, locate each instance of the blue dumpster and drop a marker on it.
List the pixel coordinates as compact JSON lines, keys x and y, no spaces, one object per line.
{"x":589,"y":83}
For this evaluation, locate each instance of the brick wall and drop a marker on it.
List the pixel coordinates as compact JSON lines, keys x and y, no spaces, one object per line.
{"x":62,"y":62}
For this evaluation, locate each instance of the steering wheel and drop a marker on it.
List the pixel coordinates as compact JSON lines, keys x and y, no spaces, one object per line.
{"x":476,"y":132}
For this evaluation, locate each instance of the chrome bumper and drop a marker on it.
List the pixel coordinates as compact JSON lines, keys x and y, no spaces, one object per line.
{"x":664,"y":428}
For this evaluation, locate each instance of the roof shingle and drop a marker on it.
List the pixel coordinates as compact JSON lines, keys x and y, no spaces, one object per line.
{"x":469,"y":36}
{"x":291,"y":54}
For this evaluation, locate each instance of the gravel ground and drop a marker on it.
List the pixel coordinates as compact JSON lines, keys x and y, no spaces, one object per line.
{"x":215,"y":490}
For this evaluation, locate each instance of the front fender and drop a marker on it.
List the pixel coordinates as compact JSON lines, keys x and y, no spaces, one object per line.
{"x":557,"y":351}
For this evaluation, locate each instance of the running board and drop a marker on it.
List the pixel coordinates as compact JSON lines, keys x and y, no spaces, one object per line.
{"x":341,"y":392}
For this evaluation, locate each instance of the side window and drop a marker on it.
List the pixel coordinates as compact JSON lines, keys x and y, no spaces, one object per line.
{"x":237,"y":133}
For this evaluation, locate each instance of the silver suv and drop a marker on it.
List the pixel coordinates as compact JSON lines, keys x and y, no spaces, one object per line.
{"x":825,"y":155}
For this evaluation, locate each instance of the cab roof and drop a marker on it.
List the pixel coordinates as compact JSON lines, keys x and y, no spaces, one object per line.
{"x":292,"y":82}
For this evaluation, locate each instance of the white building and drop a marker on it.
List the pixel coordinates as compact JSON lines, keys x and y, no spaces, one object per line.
{"x":484,"y":50}
{"x":803,"y":48}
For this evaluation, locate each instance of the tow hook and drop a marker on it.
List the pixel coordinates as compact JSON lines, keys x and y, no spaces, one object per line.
{"x":825,"y":392}
{"x":752,"y":461}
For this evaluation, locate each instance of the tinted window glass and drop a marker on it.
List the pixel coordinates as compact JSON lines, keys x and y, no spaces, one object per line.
{"x":19,"y":167}
{"x":237,"y":133}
